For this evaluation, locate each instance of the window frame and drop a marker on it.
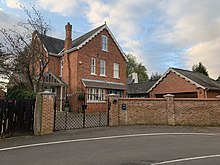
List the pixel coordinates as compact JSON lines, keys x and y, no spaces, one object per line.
{"x":102,"y":67}
{"x":96,"y":95}
{"x":93,"y":66}
{"x":104,"y":43}
{"x":116,"y":71}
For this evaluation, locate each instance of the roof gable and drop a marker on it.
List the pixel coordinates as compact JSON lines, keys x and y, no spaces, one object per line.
{"x":55,"y":46}
{"x":195,"y":78}
{"x":84,"y":39}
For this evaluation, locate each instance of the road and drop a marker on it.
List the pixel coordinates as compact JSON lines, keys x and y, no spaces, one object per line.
{"x":128,"y":145}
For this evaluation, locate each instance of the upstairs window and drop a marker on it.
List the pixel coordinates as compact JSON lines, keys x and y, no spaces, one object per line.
{"x":104,"y":43}
{"x":116,"y":70}
{"x":93,"y":66}
{"x":102,"y":68}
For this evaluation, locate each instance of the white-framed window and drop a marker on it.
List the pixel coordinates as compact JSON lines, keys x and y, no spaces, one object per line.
{"x":116,"y":70}
{"x":95,"y":95}
{"x":104,"y":43}
{"x":61,"y":67}
{"x":102,"y":68}
{"x":117,"y":92}
{"x":93,"y":66}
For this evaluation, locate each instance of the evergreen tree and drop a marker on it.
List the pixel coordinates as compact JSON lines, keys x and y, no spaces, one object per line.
{"x":200,"y":68}
{"x":155,"y":76}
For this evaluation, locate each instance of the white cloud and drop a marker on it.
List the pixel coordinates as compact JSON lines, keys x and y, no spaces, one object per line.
{"x":64,"y":7}
{"x":124,"y":19}
{"x":159,"y":32}
{"x":13,"y":4}
{"x":208,"y":54}
{"x":193,"y":25}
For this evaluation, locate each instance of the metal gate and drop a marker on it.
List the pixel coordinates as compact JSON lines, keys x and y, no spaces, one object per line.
{"x":84,"y":117}
{"x":16,"y":117}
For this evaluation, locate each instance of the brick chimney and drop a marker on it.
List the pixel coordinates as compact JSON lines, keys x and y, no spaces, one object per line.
{"x":68,"y":40}
{"x":66,"y":70}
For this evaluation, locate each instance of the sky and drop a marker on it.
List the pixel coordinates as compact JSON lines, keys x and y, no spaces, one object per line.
{"x":159,"y":33}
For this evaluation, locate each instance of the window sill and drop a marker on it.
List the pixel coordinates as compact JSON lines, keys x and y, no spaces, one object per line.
{"x":101,"y":75}
{"x":105,"y":50}
{"x":116,"y":78}
{"x":95,"y":102}
{"x":93,"y":74}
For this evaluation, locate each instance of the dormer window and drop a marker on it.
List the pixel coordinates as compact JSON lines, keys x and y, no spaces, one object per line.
{"x":104,"y":43}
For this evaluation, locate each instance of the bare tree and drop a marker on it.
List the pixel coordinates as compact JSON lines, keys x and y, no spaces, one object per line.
{"x":22,"y":58}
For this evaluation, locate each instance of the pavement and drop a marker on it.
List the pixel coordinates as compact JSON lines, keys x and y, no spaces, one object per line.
{"x":124,"y":145}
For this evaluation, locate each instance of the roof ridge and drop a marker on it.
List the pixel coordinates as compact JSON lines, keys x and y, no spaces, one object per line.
{"x":88,"y":32}
{"x":50,"y":37}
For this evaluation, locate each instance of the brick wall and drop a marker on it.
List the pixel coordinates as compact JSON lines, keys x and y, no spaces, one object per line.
{"x":173,"y":83}
{"x":54,"y":65}
{"x":44,"y":114}
{"x":166,"y":111}
{"x":77,"y":65}
{"x":94,"y":49}
{"x":197,"y":112}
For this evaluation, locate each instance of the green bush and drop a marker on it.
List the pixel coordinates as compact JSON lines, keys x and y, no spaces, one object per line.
{"x":20,"y":93}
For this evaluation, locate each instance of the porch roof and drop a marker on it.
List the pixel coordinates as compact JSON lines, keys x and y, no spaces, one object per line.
{"x":52,"y":80}
{"x":103,"y":84}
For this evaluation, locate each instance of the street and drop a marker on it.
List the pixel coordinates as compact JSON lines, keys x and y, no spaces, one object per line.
{"x":128,"y":145}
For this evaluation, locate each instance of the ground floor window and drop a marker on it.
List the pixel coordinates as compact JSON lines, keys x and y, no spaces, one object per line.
{"x":118,"y":92}
{"x":95,"y":95}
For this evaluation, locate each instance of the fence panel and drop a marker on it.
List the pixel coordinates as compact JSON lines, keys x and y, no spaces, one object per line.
{"x":16,"y":117}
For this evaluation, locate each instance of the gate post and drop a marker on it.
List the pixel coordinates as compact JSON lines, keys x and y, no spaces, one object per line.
{"x":113,"y":109}
{"x":44,"y":113}
{"x":170,"y":109}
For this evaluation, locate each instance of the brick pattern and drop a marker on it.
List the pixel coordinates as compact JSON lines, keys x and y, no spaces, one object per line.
{"x":47,"y":120}
{"x":114,"y":111}
{"x":173,"y":83}
{"x":44,"y":114}
{"x":197,"y":112}
{"x":141,"y":111}
{"x":76,"y":65}
{"x":167,"y":111}
{"x":94,"y":49}
{"x":54,"y":65}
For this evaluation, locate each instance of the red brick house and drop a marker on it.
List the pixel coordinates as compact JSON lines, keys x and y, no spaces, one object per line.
{"x":93,"y":64}
{"x":185,"y":84}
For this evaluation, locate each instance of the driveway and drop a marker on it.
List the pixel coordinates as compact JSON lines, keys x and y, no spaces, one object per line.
{"x":126,"y":145}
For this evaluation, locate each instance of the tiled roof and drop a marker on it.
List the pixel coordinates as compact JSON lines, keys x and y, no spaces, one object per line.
{"x":78,"y":41}
{"x":195,"y":78}
{"x":103,"y":84}
{"x":56,"y":46}
{"x":200,"y":79}
{"x":139,"y":88}
{"x":53,"y":45}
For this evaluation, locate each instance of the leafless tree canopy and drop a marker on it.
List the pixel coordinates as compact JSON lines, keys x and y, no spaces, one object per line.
{"x":22,"y":59}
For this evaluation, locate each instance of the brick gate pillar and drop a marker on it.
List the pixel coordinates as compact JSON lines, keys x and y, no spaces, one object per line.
{"x":113,"y":109}
{"x":44,"y":113}
{"x":170,"y":109}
